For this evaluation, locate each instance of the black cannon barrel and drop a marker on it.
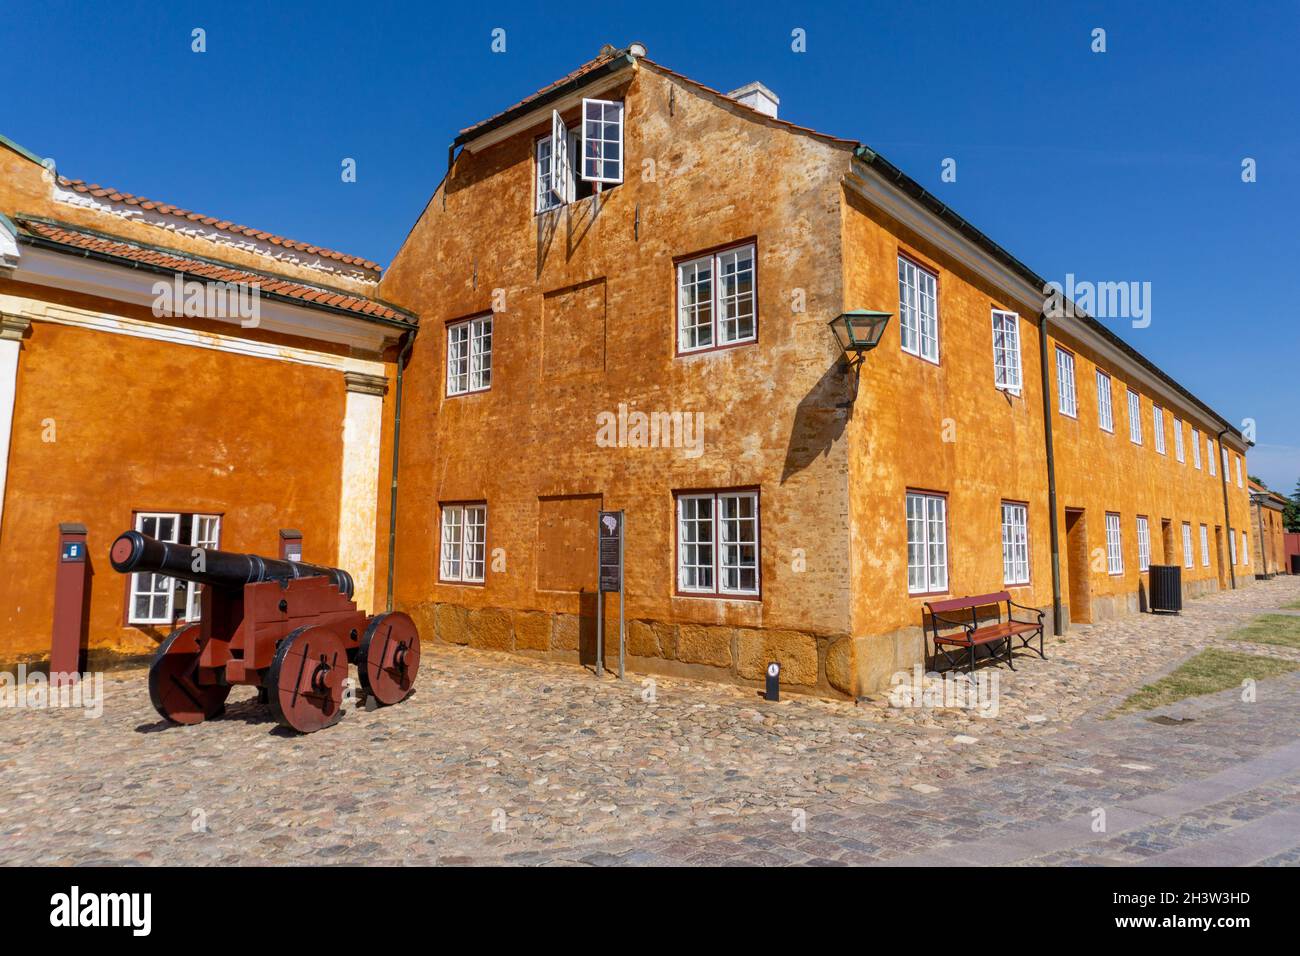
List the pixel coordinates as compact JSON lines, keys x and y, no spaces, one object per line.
{"x":136,"y":552}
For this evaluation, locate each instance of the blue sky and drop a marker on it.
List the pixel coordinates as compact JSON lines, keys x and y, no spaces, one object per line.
{"x":1119,"y":166}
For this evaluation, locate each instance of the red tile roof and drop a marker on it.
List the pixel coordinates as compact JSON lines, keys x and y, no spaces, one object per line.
{"x":605,"y":56}
{"x":609,"y":54}
{"x":167,"y":209}
{"x":75,"y":238}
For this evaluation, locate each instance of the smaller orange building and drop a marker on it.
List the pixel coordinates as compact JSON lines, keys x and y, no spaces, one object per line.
{"x":1266,"y":510}
{"x":197,"y":380}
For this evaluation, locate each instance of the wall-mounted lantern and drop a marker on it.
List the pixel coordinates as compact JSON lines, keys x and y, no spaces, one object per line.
{"x":858,"y":332}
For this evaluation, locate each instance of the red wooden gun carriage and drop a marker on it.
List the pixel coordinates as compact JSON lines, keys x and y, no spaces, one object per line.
{"x":285,"y":627}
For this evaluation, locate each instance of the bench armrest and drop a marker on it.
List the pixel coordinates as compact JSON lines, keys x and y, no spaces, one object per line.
{"x":935,"y":620}
{"x":1031,"y":610}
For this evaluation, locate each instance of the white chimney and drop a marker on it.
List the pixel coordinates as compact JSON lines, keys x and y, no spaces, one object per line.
{"x":757,"y":96}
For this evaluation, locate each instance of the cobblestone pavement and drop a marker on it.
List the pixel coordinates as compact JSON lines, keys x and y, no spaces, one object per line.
{"x":500,"y":759}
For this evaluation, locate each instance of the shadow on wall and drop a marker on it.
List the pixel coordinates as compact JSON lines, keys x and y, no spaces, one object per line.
{"x":818,"y":422}
{"x":587,"y":628}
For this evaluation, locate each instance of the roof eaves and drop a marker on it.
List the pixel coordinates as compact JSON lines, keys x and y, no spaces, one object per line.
{"x":904,"y":183}
{"x":618,"y":61}
{"x":410,"y":320}
{"x":21,"y":150}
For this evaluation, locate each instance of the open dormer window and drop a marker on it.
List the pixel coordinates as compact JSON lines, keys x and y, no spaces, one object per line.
{"x":602,"y":141}
{"x":570,"y":163}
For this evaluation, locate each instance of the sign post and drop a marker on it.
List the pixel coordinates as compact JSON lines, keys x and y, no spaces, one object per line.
{"x":610,"y":555}
{"x":69,"y":604}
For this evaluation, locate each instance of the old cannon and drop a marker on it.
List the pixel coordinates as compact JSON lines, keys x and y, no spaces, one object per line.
{"x":288,"y":628}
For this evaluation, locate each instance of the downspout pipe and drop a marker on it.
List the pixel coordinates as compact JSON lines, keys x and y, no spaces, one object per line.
{"x":403,"y":354}
{"x":1227,"y":521}
{"x":1045,"y":374}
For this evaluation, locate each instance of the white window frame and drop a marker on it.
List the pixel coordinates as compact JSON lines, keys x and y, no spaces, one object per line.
{"x":462,"y":555}
{"x":1067,"y":399}
{"x":205,"y":532}
{"x":1007,"y":374}
{"x":546,"y":197}
{"x":1209,"y":455}
{"x":1238,"y":459}
{"x":155,"y":585}
{"x":1227,"y":469}
{"x":1245,"y":549}
{"x":721,"y":537}
{"x":918,"y":329}
{"x":1232,"y":547}
{"x":721,"y":271}
{"x":1015,"y":543}
{"x":1134,"y":417}
{"x":1178,"y":441}
{"x":1114,"y":544}
{"x":927,"y":543}
{"x":1205,"y":546}
{"x":1189,"y":555}
{"x":1158,"y":428}
{"x":477,"y":357}
{"x":593,"y":147}
{"x":1144,"y":543}
{"x":1196,"y":448}
{"x":147,"y":583}
{"x":1105,"y":404}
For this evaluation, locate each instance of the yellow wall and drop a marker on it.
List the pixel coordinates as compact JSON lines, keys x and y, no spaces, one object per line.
{"x":107,"y":424}
{"x":589,"y":324}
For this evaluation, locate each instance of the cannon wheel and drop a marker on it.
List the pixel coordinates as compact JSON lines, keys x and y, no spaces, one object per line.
{"x":172,"y":688}
{"x":389,"y":656}
{"x":305,"y":682}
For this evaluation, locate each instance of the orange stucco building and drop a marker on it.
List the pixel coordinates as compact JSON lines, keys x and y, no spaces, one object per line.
{"x":1269,"y":551}
{"x":125,"y":405}
{"x":625,"y":286}
{"x":628,"y":255}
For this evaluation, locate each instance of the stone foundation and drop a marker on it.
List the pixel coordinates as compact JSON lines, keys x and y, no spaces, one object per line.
{"x":737,"y":655}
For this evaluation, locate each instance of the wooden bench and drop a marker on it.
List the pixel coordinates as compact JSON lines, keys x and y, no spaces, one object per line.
{"x":971,"y":633}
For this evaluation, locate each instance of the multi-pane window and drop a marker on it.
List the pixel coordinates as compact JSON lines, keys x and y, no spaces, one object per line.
{"x":570,"y":162}
{"x":1209,"y":454}
{"x":602,"y":141}
{"x":1158,"y":426}
{"x":1144,"y":543}
{"x":1205,"y":546}
{"x":1245,"y":549}
{"x":1134,"y":417}
{"x":918,"y":310}
{"x":156,"y":599}
{"x":463,"y":555}
{"x":1015,"y":543}
{"x":715,"y":300}
{"x":1232,"y":546}
{"x":1178,"y":439}
{"x":1114,"y":545}
{"x":717,"y":543}
{"x":1187,"y":544}
{"x":1226,"y":470}
{"x":1006,"y":350}
{"x":1196,"y":448}
{"x":1105,"y":412}
{"x":548,"y":196}
{"x":469,"y":356}
{"x":1239,"y":471}
{"x":1068,"y":402}
{"x":927,"y":543}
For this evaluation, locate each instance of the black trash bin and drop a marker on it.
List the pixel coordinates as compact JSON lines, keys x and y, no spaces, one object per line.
{"x":1166,"y":588}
